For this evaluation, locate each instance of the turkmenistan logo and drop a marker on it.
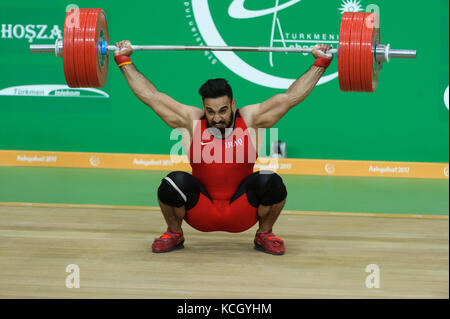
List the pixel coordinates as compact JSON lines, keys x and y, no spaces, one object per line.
{"x":350,"y":6}
{"x":52,"y":90}
{"x":274,"y":23}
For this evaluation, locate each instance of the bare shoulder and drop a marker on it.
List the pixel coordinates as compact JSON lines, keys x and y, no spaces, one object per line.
{"x":192,"y":113}
{"x":248,"y":113}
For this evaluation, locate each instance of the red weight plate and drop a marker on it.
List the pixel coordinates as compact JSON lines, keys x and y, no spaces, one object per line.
{"x":78,"y":43}
{"x":101,"y":61}
{"x":370,"y":32}
{"x":89,"y":48}
{"x":106,"y":61}
{"x":93,"y":47}
{"x":366,"y":47}
{"x":344,"y":46}
{"x":96,"y":27}
{"x":341,"y":46}
{"x":355,"y":52}
{"x":75,"y":27}
{"x":79,"y":49}
{"x":68,"y":35}
{"x":375,"y":40}
{"x":364,"y":67}
{"x":348,"y":65}
{"x":363,"y":50}
{"x":350,"y":55}
{"x":83,"y":52}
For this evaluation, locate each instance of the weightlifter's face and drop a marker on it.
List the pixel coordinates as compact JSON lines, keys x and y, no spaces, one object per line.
{"x":219,"y":112}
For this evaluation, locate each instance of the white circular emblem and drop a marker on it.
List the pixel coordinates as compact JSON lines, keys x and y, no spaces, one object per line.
{"x":330,"y":169}
{"x":95,"y":161}
{"x":212,"y":37}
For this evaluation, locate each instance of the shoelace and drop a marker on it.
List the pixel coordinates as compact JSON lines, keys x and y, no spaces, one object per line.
{"x":167,"y":236}
{"x":271,"y":237}
{"x":277,"y":242}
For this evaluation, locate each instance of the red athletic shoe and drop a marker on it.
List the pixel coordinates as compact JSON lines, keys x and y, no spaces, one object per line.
{"x":269,"y":243}
{"x":167,"y":242}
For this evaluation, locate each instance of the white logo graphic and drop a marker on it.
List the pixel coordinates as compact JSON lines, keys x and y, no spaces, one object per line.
{"x":351,"y":6}
{"x":446,"y":97}
{"x":35,"y":158}
{"x":95,"y":161}
{"x":388,"y":169}
{"x":212,"y":37}
{"x":52,"y":90}
{"x":203,"y":143}
{"x":446,"y":171}
{"x":146,"y":163}
{"x":73,"y":280}
{"x":237,"y":10}
{"x":330,"y":169}
{"x":373,"y":280}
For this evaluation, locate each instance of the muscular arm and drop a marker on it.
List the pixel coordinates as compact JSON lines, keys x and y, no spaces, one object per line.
{"x":269,"y":112}
{"x":173,"y":113}
{"x":170,"y":111}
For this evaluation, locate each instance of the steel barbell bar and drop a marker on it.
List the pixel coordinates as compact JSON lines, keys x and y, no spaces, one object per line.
{"x":380,"y":50}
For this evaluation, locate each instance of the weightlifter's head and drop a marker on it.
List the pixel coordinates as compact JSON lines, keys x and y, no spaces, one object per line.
{"x":218,"y":103}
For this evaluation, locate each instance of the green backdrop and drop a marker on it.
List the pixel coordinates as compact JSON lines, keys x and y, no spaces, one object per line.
{"x":405,"y":120}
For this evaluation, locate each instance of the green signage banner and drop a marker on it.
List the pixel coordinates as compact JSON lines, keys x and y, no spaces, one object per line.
{"x":405,"y":120}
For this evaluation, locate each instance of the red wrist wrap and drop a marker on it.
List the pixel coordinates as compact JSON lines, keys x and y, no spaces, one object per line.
{"x":122,"y":60}
{"x":322,"y":62}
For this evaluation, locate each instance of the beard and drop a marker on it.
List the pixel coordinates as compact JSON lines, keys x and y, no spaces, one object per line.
{"x":223,"y":125}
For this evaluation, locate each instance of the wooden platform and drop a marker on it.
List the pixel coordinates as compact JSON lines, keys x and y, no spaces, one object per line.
{"x":326,"y":257}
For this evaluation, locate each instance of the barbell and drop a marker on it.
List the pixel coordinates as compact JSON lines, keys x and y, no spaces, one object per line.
{"x":85,"y":50}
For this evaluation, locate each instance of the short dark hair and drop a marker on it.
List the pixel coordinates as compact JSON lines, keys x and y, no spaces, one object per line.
{"x":214,"y":88}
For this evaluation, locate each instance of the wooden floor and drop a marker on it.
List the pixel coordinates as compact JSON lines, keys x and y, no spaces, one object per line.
{"x":326,"y":257}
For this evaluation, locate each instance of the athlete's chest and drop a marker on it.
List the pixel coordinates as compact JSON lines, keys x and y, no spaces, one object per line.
{"x":235,"y":148}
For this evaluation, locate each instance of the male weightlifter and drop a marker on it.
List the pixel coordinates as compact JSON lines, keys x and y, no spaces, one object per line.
{"x":222,"y":193}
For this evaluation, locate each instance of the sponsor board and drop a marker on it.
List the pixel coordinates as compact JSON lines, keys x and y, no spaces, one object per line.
{"x":286,"y":166}
{"x":52,"y":90}
{"x":268,"y":23}
{"x":30,"y":32}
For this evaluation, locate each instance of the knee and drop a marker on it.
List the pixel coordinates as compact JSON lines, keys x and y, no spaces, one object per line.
{"x":178,"y":189}
{"x":272,"y":189}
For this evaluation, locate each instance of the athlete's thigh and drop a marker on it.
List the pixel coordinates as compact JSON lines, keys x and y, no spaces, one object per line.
{"x":204,"y":216}
{"x":242,"y":213}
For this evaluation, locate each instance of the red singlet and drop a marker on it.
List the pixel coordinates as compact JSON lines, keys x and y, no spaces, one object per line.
{"x":221,"y":165}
